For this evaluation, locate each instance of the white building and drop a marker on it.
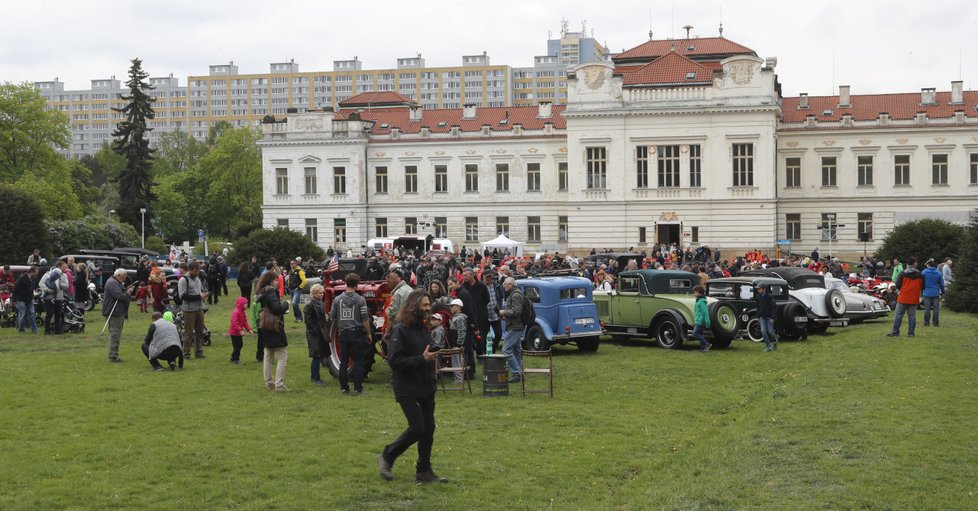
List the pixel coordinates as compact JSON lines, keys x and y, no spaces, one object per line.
{"x":684,"y":141}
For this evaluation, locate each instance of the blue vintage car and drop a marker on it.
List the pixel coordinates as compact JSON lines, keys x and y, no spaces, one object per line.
{"x":565,"y":313}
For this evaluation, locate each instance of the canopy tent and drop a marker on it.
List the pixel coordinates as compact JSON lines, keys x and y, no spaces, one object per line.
{"x":502,"y":243}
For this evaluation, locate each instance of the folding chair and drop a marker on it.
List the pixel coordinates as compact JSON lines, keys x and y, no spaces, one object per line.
{"x":547,"y":370}
{"x":444,"y":367}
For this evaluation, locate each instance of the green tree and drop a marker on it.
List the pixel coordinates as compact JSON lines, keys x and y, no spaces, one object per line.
{"x":279,"y":244}
{"x":89,"y":193}
{"x":156,"y":243}
{"x":53,"y":191}
{"x":92,"y":232}
{"x":922,"y":239}
{"x":177,"y":152}
{"x":135,"y":180}
{"x":24,"y":229}
{"x":962,"y":295}
{"x":105,"y":164}
{"x":180,"y":208}
{"x":215,"y":132}
{"x":234,"y":192}
{"x":30,"y":134}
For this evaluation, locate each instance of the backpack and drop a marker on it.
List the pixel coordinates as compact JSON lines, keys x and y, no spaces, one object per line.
{"x":176,"y":296}
{"x":529,"y":314}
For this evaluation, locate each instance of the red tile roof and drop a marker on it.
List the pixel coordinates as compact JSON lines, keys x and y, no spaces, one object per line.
{"x":869,"y":106}
{"x":373,"y":98}
{"x":399,"y":118}
{"x":671,"y":68}
{"x":703,"y":47}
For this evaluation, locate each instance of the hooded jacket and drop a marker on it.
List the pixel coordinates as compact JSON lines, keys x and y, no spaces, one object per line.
{"x":910,"y":283}
{"x":933,"y":282}
{"x":239,"y":319}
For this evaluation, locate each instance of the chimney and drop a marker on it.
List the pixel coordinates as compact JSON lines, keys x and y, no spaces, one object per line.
{"x":545,"y":110}
{"x":921,"y":117}
{"x":414,"y":115}
{"x":844,"y":96}
{"x":425,"y":131}
{"x":957,"y":92}
{"x":884,"y":118}
{"x":395,"y":132}
{"x":927,"y":96}
{"x":803,"y":101}
{"x":468,"y":111}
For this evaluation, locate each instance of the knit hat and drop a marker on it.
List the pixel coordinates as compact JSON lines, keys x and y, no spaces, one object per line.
{"x":168,"y":316}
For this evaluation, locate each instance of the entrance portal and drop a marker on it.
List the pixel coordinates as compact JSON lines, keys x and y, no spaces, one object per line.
{"x":667,"y":234}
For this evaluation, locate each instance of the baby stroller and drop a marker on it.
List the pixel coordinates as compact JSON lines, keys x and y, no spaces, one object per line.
{"x":181,"y":327}
{"x":8,"y":311}
{"x":74,"y":319}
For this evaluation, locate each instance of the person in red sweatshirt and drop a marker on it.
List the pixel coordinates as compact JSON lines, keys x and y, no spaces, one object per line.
{"x":910,"y":283}
{"x":239,"y":324}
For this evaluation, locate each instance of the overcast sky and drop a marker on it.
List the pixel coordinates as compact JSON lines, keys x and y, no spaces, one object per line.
{"x":873,"y":45}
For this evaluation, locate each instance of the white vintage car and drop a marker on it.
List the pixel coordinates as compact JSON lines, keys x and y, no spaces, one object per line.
{"x":825,"y":307}
{"x":859,"y":306}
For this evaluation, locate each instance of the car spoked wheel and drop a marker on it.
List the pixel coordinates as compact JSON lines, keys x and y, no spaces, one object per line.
{"x":754,"y":330}
{"x":667,"y":333}
{"x":535,"y":341}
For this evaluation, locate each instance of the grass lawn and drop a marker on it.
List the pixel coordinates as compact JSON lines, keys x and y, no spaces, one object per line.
{"x":847,"y":420}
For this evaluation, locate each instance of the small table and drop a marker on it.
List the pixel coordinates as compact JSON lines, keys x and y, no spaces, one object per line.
{"x":495,"y":379}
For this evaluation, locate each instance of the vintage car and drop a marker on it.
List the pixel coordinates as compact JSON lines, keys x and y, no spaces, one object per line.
{"x":790,"y":319}
{"x":825,"y":307}
{"x":659,"y":304}
{"x":620,"y":259}
{"x":859,"y":306}
{"x":376,"y":293}
{"x":565,"y":310}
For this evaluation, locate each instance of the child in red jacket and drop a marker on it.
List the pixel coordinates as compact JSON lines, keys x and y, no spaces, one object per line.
{"x":239,"y":324}
{"x":142,"y":296}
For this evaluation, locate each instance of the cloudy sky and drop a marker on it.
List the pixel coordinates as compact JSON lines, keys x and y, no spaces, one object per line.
{"x":872,"y":45}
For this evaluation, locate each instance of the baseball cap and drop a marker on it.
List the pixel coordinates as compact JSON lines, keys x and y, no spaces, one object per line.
{"x":457,"y":302}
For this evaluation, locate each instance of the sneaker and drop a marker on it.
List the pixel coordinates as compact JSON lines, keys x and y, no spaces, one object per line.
{"x":235,"y":361}
{"x":158,"y":368}
{"x":429,"y":476}
{"x":910,"y":334}
{"x":318,"y":382}
{"x":706,"y":348}
{"x":200,"y":355}
{"x":173,"y":366}
{"x":774,"y":347}
{"x":358,"y":392}
{"x":270,"y":386}
{"x":344,"y":391}
{"x":767,"y":349}
{"x":515,"y":379}
{"x":283,"y":388}
{"x":115,"y":360}
{"x":893,"y":334}
{"x":385,"y":468}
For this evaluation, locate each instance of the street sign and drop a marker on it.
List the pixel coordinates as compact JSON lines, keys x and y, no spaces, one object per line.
{"x":200,"y":234}
{"x":784,"y":242}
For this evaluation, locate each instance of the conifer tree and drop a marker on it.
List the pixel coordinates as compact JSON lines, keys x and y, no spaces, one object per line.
{"x":131,"y":141}
{"x":962,"y":294}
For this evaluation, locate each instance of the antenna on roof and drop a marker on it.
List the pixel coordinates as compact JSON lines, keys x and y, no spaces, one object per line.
{"x":721,"y":21}
{"x":650,"y":24}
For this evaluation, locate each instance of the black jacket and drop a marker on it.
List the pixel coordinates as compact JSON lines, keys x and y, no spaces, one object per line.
{"x":480,"y":299}
{"x":412,"y":376}
{"x":268,"y":297}
{"x":24,"y":288}
{"x":317,"y":328}
{"x":765,"y":305}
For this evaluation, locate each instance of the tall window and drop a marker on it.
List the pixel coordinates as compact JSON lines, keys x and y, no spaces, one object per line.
{"x":441,"y":178}
{"x":901,"y":170}
{"x":668,"y":160}
{"x":829,"y":170}
{"x":792,"y":226}
{"x":974,"y":169}
{"x":281,"y":181}
{"x":562,"y":228}
{"x":339,"y":180}
{"x":411,"y":179}
{"x":471,"y":228}
{"x":533,"y":229}
{"x":642,"y":167}
{"x":411,"y":225}
{"x":380,"y":227}
{"x":339,"y":230}
{"x":310,"y":173}
{"x":939,"y":169}
{"x":533,"y":177}
{"x":471,"y":177}
{"x":830,"y":224}
{"x":865,"y":225}
{"x":792,"y":167}
{"x":694,"y":234}
{"x":562,"y":175}
{"x":743,"y":164}
{"x":641,"y":235}
{"x":312,"y":230}
{"x":381,"y":179}
{"x":597,"y":166}
{"x":441,"y":227}
{"x":695,"y":166}
{"x":864,"y":166}
{"x":502,"y":177}
{"x":502,"y":225}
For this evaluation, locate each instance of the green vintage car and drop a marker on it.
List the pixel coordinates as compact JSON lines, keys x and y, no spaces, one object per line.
{"x":659,"y":304}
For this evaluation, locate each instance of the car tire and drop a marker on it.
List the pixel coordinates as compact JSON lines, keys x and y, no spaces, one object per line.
{"x":754,"y":329}
{"x":535,"y":341}
{"x":334,"y":356}
{"x":724,"y":322}
{"x":588,"y":344}
{"x":667,"y":333}
{"x":791,"y":329}
{"x":835,"y":302}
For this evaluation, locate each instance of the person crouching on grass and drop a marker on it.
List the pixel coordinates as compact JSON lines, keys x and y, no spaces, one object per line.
{"x":163,"y":342}
{"x":413,"y":377}
{"x":701,"y":318}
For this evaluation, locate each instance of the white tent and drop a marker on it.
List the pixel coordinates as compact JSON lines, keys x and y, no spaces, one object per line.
{"x":502,"y":243}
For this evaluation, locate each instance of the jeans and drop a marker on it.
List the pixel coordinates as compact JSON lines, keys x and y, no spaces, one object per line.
{"x":279,"y":357}
{"x":932,"y":303}
{"x":767,"y":331}
{"x":296,"y":294}
{"x":351,"y":343}
{"x":513,"y":346}
{"x":902,"y":308}
{"x":25,"y":316}
{"x":236,"y":344}
{"x":54,"y":316}
{"x":420,"y":416}
{"x":698,"y":335}
{"x":314,"y":369}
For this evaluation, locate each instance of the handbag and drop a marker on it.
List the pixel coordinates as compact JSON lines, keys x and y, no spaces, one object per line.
{"x":267,"y":320}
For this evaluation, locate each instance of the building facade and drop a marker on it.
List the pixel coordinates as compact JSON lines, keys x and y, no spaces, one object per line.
{"x":674,"y":141}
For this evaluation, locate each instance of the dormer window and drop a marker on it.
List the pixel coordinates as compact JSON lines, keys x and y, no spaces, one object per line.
{"x":826,"y":113}
{"x":691,"y":75}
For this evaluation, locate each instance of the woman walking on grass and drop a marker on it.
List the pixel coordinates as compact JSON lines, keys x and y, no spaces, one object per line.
{"x":271,"y":330}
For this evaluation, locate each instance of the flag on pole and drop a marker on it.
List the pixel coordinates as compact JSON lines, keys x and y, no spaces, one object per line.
{"x":334,"y":264}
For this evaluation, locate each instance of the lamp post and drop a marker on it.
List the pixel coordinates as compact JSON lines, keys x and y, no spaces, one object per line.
{"x":831,"y":218}
{"x":142,"y":213}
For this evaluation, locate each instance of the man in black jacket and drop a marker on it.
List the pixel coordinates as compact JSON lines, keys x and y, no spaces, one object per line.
{"x":480,"y":299}
{"x":24,"y":298}
{"x":765,"y":314}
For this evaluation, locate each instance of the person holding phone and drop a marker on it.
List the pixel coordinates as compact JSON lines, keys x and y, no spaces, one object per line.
{"x":115,"y":307}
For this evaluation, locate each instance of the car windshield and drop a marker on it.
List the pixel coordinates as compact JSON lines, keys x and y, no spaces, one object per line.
{"x":721,"y":290}
{"x":532,"y":294}
{"x":568,"y":294}
{"x":837,"y":284}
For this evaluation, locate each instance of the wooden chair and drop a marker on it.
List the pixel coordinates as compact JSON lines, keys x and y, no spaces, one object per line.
{"x":547,"y":370}
{"x":444,"y":368}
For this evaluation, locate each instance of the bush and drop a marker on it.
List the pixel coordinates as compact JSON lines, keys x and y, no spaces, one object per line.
{"x":24,"y":229}
{"x":280,"y":244}
{"x":244,"y":230}
{"x":156,"y":243}
{"x":92,"y":232}
{"x":923,"y":239}
{"x":962,"y":295}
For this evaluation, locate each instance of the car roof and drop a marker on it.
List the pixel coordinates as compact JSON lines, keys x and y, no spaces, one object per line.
{"x":565,"y":282}
{"x":88,"y":256}
{"x":771,"y":281}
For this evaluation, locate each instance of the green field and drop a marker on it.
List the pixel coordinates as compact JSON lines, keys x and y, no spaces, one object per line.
{"x":847,"y":420}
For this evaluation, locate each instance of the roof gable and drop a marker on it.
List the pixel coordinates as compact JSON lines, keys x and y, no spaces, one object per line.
{"x":672,"y":68}
{"x":706,"y":48}
{"x":377,"y":99}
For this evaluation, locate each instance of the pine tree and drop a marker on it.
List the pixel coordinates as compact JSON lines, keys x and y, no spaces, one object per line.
{"x":131,"y":141}
{"x":962,"y":294}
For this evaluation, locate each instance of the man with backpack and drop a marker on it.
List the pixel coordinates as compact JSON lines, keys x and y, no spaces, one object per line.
{"x":192,"y":296}
{"x":516,"y":316}
{"x":54,"y":285}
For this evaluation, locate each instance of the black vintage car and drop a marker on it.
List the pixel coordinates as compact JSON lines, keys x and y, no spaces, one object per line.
{"x":621,"y":259}
{"x":790,"y":319}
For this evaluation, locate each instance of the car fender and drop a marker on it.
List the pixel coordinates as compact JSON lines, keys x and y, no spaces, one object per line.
{"x":545,"y":329}
{"x":675,"y":316}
